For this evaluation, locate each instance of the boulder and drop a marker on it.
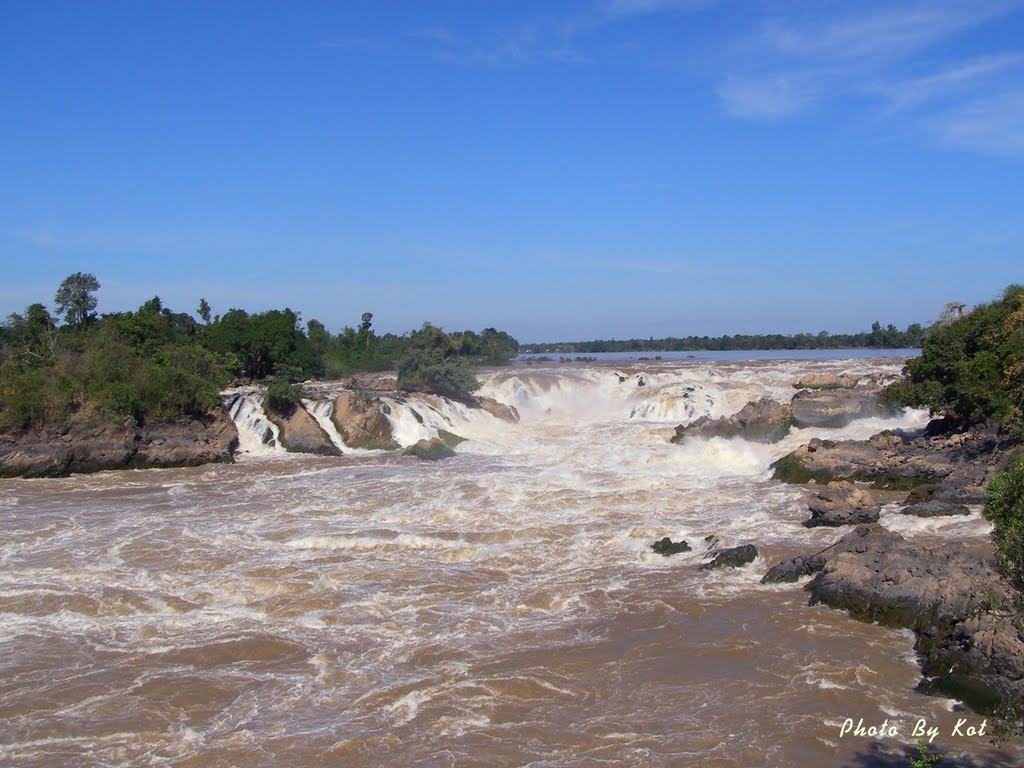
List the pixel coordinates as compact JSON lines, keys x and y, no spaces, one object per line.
{"x":763,"y":420}
{"x":666,"y":547}
{"x":450,"y":439}
{"x":935,"y":509}
{"x":842,"y":503}
{"x":497,"y":409}
{"x":300,"y":433}
{"x":433,"y":449}
{"x":362,"y":422}
{"x":733,"y":557}
{"x":833,"y":408}
{"x":827,"y":381}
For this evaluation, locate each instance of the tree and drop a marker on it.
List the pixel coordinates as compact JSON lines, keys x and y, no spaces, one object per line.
{"x":364,"y":327}
{"x":204,"y":311}
{"x":75,"y":298}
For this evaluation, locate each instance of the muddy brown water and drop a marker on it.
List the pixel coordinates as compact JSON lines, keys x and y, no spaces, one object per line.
{"x":499,"y":608}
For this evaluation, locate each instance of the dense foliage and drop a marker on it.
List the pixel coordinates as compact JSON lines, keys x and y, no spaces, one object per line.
{"x":972,"y":367}
{"x":433,"y":363}
{"x":1005,"y":508}
{"x":155,"y":363}
{"x":888,"y":337}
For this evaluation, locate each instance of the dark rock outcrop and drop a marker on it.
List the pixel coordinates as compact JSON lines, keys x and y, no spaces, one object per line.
{"x":300,"y":433}
{"x":964,"y":614}
{"x":433,"y":449}
{"x":842,"y":503}
{"x":733,"y":557}
{"x":83,"y":444}
{"x":935,"y":509}
{"x":362,"y":422}
{"x":957,"y":466}
{"x":834,"y":408}
{"x":763,"y":420}
{"x":857,"y":540}
{"x":666,"y":547}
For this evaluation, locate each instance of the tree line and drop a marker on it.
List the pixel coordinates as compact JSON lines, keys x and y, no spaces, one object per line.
{"x":155,"y":363}
{"x":889,"y":337}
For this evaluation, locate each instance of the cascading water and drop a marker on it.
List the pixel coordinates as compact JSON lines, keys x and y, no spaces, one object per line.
{"x":502,"y":607}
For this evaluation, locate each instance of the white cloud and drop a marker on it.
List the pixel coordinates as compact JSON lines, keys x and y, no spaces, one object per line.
{"x":992,"y":126}
{"x":911,"y":93}
{"x":620,"y":8}
{"x":764,"y":97}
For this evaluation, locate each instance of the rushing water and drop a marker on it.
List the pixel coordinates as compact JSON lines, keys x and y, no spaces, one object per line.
{"x":502,"y":607}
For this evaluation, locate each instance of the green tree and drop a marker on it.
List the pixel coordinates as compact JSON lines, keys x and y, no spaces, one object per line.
{"x":75,"y":299}
{"x":204,"y":311}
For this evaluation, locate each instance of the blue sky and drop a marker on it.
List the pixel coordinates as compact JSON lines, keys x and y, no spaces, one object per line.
{"x":561,"y":170}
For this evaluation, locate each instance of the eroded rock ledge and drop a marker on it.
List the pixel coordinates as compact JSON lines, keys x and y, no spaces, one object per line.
{"x":89,"y":445}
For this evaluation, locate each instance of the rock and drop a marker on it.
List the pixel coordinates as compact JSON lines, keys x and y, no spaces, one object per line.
{"x":497,"y":409}
{"x":802,"y":565}
{"x":763,"y":420}
{"x":827,"y":381}
{"x":957,"y":467}
{"x":433,"y":449}
{"x":362,"y":422}
{"x":734,"y":557}
{"x":935,"y":509}
{"x":666,"y":547}
{"x":956,"y":602}
{"x":834,"y":408}
{"x":87,"y":444}
{"x":300,"y":433}
{"x":450,"y":439}
{"x":792,"y":569}
{"x":842,"y":503}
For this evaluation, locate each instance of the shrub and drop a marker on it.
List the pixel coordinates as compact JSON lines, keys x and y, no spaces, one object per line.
{"x":1005,"y":508}
{"x":283,"y":398}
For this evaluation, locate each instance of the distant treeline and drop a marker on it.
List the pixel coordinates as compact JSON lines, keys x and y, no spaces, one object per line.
{"x":889,"y":337}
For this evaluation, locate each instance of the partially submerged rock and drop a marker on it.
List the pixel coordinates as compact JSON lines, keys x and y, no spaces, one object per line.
{"x":935,"y":509}
{"x":362,"y":422}
{"x":842,"y":503}
{"x":300,"y":433}
{"x":497,"y":409}
{"x":857,"y":540}
{"x":763,"y":420}
{"x":433,"y":449}
{"x":733,"y":557}
{"x":667,"y":547}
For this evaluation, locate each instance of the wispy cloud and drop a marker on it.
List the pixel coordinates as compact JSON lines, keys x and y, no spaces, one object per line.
{"x":356,"y":42}
{"x":618,"y":8}
{"x":993,"y":126}
{"x":960,"y":78}
{"x":764,"y":97}
{"x":437,"y":34}
{"x":792,"y":62}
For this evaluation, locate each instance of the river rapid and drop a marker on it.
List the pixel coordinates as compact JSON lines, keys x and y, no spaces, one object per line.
{"x":502,"y":607}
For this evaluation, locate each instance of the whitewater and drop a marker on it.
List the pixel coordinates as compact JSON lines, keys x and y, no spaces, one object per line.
{"x":500,"y":607}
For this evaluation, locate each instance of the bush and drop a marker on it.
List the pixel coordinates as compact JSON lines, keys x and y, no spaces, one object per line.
{"x":1005,"y":508}
{"x":451,"y":377}
{"x":283,"y":398}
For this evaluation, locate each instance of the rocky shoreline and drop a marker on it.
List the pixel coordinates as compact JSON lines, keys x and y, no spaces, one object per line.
{"x":967,"y":619}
